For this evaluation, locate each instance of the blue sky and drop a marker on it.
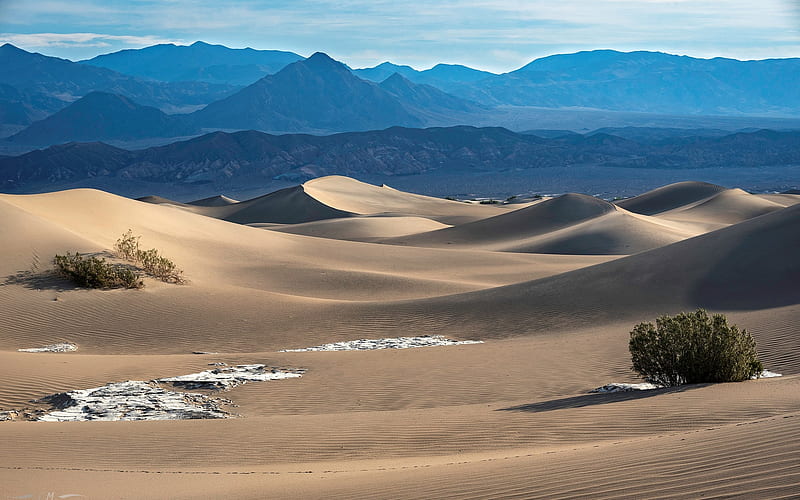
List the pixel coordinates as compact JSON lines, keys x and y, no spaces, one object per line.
{"x":496,"y":35}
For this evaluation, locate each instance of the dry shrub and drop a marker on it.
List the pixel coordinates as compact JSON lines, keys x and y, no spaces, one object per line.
{"x":94,"y":272}
{"x":151,"y":261}
{"x":692,"y":348}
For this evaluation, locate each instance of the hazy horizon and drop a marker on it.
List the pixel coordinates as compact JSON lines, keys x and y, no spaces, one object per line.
{"x":488,"y":35}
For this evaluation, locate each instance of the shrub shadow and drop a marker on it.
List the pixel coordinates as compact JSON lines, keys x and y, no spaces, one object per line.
{"x":49,"y":279}
{"x":42,"y":280}
{"x":597,"y":399}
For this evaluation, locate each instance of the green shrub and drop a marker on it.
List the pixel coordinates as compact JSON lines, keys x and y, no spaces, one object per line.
{"x":692,"y":348}
{"x":153,"y":263}
{"x":127,"y":246}
{"x":94,"y":272}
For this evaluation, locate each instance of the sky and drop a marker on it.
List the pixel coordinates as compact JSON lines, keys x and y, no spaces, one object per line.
{"x":494,"y":35}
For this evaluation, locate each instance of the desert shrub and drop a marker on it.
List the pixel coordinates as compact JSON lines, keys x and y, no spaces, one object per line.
{"x":489,"y":202}
{"x":94,"y":272}
{"x":127,"y":246}
{"x":692,"y":348}
{"x":151,"y":261}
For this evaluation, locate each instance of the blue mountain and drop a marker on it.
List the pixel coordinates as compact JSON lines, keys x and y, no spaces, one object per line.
{"x":651,"y":82}
{"x":200,"y":62}
{"x":317,"y":94}
{"x":103,"y":116}
{"x":52,"y":83}
{"x":441,"y":76}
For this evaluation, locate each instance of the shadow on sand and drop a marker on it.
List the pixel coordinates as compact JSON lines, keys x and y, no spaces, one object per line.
{"x":41,"y":280}
{"x":597,"y":399}
{"x":49,"y":279}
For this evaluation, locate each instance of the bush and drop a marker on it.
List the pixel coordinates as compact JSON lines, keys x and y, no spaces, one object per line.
{"x":153,"y":263}
{"x":93,"y":272}
{"x":692,"y":348}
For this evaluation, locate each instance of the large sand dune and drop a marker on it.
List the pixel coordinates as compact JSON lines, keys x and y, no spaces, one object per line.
{"x":670,"y":197}
{"x":569,"y":224}
{"x":511,"y":417}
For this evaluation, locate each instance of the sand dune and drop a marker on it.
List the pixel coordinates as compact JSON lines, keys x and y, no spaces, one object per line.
{"x":569,"y":224}
{"x":534,"y":220}
{"x":670,"y":197}
{"x":782,"y":199}
{"x":726,"y":207}
{"x":214,"y":201}
{"x":362,"y":228}
{"x":159,"y":200}
{"x":330,"y":198}
{"x":350,"y":195}
{"x":286,"y":206}
{"x":751,"y":265}
{"x":511,"y":417}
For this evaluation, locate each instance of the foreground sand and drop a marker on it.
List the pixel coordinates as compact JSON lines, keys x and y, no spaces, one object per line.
{"x":507,"y":418}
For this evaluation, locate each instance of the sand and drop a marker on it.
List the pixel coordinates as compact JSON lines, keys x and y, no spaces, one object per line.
{"x":509,"y":417}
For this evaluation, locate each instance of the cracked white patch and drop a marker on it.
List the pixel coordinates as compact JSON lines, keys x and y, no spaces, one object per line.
{"x":387,"y":343}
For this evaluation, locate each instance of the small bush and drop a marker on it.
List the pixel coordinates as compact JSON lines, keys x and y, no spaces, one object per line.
{"x":153,"y":263}
{"x":692,"y":348}
{"x":127,"y":246}
{"x":94,"y":272}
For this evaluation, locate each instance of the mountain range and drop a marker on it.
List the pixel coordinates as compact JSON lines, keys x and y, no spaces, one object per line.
{"x":253,"y":158}
{"x":649,"y":82}
{"x":44,"y":85}
{"x":446,"y":77}
{"x":104,"y":116}
{"x":320,"y":95}
{"x":198,"y":62}
{"x":316,"y":94}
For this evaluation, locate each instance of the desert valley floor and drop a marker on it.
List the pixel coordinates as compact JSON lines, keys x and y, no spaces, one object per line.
{"x":551,"y":288}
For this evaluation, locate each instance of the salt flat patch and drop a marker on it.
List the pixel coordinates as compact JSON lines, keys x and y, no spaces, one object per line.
{"x":61,"y":347}
{"x":140,"y":400}
{"x":230,"y":376}
{"x":647,"y":386}
{"x":387,"y":343}
{"x":131,"y":400}
{"x":620,"y":387}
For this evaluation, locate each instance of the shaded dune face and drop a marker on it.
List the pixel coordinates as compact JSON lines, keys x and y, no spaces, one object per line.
{"x":670,"y":197}
{"x":572,"y":224}
{"x":552,"y":289}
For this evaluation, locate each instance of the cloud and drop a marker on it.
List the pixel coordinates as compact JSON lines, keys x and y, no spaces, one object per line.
{"x":491,"y":34}
{"x":45,"y":40}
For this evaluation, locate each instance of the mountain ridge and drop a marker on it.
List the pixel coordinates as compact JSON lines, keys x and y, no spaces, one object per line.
{"x":253,"y":158}
{"x":103,"y":116}
{"x":199,"y":61}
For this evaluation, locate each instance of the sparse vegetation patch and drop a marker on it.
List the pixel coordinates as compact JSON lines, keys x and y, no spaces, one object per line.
{"x":92,"y":271}
{"x":95,"y":272}
{"x":151,"y":261}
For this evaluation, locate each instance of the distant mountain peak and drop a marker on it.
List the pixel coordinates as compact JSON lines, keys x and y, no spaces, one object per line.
{"x":322,"y":57}
{"x":396,"y":78}
{"x":322,"y":62}
{"x":11,"y":48}
{"x":103,"y":116}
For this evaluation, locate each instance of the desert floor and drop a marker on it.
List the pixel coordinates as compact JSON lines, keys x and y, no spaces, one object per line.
{"x":552,"y":287}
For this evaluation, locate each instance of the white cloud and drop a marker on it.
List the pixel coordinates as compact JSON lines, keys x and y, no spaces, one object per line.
{"x":45,"y":40}
{"x":498,"y":35}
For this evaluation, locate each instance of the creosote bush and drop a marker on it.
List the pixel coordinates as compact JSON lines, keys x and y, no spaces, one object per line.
{"x":153,"y":263}
{"x":693,"y":348}
{"x":94,"y":272}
